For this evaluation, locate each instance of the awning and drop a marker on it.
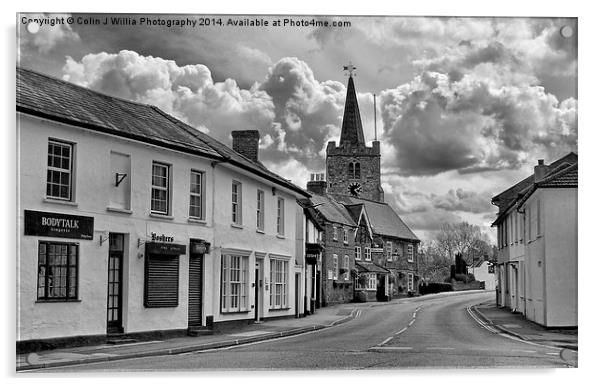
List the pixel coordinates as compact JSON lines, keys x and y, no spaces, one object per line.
{"x":366,"y":266}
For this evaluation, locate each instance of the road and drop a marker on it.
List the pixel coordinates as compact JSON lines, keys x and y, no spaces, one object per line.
{"x":435,"y":332}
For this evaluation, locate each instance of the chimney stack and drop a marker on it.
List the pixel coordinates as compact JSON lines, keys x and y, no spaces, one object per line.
{"x":246,"y":142}
{"x":541,"y":170}
{"x":316,"y":184}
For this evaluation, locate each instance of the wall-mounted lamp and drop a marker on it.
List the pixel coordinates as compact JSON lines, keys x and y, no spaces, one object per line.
{"x":273,"y":190}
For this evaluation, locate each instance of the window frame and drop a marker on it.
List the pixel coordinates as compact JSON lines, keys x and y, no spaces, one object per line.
{"x":410,"y":253}
{"x":260,"y":210}
{"x":347,"y":274}
{"x":335,"y":264}
{"x":226,"y":282}
{"x":280,"y":216}
{"x":371,"y":282}
{"x":410,"y":281}
{"x":367,"y":254}
{"x":281,"y":267}
{"x":236,"y":205}
{"x":389,"y":249}
{"x":345,"y":236}
{"x":68,"y":277}
{"x":166,"y":188}
{"x":70,"y":171}
{"x":358,"y":253}
{"x":335,"y":233}
{"x":200,"y":195}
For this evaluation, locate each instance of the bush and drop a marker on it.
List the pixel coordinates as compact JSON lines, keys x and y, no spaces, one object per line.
{"x":434,"y":288}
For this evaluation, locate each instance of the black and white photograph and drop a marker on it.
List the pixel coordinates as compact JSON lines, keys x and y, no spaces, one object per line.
{"x":209,"y":192}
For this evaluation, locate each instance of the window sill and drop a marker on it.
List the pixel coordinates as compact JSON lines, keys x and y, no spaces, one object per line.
{"x":118,"y":210}
{"x":279,"y":309}
{"x":58,"y":301}
{"x":161,"y":216}
{"x":260,"y":231}
{"x":197,"y":221}
{"x":281,"y":236}
{"x":237,"y":226}
{"x":60,"y":202}
{"x":234,"y":312}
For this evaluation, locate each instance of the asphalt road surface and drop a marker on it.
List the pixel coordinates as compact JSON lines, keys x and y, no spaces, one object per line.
{"x":428,"y":332}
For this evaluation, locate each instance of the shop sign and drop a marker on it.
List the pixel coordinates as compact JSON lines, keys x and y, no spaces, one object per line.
{"x":165,"y":249}
{"x":58,"y":225}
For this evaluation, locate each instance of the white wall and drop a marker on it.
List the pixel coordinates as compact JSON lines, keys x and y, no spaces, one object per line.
{"x":561,"y":258}
{"x":93,"y":182}
{"x":248,"y":238}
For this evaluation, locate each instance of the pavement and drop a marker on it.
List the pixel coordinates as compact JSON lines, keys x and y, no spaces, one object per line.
{"x":323,"y":318}
{"x":501,"y":319}
{"x":516,"y":325}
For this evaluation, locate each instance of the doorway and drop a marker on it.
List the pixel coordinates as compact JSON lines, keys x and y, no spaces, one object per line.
{"x":258,"y":290}
{"x":115,"y":284}
{"x":195,"y":290}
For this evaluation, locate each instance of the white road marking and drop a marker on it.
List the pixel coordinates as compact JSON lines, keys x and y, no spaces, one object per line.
{"x":411,"y":322}
{"x":390,"y":348}
{"x":552,"y":353}
{"x":386,"y":341}
{"x":440,"y":348}
{"x":401,"y":331}
{"x":527,"y":351}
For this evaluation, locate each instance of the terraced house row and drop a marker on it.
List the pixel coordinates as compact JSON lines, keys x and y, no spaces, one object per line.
{"x":132,"y":222}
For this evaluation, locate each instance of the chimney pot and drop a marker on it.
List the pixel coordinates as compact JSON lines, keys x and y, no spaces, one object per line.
{"x":246,"y":143}
{"x":317,"y":187}
{"x":540,"y":171}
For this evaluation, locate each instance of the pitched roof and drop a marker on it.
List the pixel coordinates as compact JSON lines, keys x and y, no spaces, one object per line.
{"x":65,"y":102}
{"x":566,"y":177}
{"x":367,"y":266}
{"x":331,"y":210}
{"x":382,"y":217}
{"x":505,"y":200}
{"x":352,"y":130}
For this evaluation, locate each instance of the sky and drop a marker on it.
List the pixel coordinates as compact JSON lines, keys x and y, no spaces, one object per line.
{"x":465,"y":106}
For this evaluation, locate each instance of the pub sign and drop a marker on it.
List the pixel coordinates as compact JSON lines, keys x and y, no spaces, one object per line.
{"x":58,"y":225}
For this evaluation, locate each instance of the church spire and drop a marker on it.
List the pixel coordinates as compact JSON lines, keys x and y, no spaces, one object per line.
{"x":352,"y":131}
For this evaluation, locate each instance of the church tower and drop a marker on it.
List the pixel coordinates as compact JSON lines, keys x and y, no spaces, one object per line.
{"x":352,"y":168}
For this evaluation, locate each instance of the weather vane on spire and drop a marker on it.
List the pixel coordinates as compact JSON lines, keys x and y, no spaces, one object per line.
{"x":349,"y":68}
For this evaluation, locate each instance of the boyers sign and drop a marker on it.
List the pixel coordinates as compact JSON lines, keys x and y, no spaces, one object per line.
{"x":58,"y":225}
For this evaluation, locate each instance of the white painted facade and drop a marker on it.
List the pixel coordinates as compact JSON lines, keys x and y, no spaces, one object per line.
{"x":126,"y":210}
{"x":551,"y":257}
{"x":537,"y":261}
{"x":511,"y":261}
{"x":481,"y":273}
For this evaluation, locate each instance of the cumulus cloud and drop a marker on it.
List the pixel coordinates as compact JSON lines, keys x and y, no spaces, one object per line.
{"x":48,"y":36}
{"x":308,"y":112}
{"x":187,"y":92}
{"x":487,"y":119}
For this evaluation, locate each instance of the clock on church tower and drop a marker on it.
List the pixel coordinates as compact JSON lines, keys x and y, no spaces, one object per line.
{"x":355,"y":188}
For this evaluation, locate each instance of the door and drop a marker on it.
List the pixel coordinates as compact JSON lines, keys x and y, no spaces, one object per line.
{"x":297,"y":293}
{"x":114,"y":284}
{"x":195,"y":290}
{"x":258,"y":290}
{"x":318,"y":289}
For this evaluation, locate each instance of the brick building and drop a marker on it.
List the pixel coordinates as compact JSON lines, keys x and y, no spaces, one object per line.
{"x":381,"y":251}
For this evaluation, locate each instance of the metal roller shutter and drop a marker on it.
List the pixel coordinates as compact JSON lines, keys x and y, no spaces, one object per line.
{"x":161,"y":281}
{"x":194,"y":290}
